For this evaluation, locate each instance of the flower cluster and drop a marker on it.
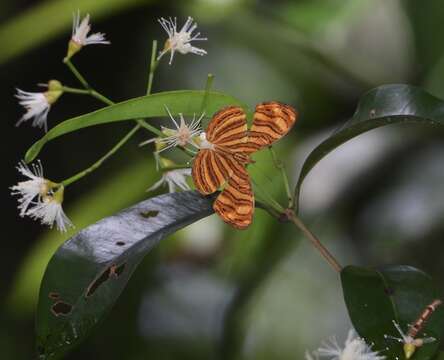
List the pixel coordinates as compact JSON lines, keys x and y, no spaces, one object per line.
{"x":182,"y":134}
{"x":354,"y":348}
{"x":40,"y":198}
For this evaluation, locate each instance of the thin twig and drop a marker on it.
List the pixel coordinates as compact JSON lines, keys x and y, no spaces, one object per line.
{"x":102,"y":159}
{"x":315,"y":241}
{"x":281,"y":167}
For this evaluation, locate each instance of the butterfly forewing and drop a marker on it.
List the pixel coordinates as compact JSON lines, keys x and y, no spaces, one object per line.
{"x":271,"y":121}
{"x":228,"y":128}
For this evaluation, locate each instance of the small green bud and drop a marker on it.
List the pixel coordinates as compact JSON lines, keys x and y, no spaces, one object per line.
{"x":409,"y":350}
{"x":73,"y":48}
{"x":55,"y":90}
{"x":59,"y":193}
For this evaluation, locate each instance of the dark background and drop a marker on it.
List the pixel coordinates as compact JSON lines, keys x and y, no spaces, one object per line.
{"x":376,"y":200}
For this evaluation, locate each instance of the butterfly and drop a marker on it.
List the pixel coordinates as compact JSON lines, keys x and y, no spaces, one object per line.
{"x":224,"y":153}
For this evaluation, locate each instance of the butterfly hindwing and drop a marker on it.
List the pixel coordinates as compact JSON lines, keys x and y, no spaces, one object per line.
{"x":235,"y":204}
{"x":272,"y":120}
{"x":211,"y":170}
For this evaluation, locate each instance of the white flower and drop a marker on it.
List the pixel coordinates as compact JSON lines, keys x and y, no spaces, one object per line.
{"x":80,"y":30}
{"x":38,"y":104}
{"x":49,"y":211}
{"x":410,"y":344}
{"x":80,"y":37}
{"x":180,"y":41}
{"x":37,"y":185}
{"x":355,"y":348}
{"x":40,"y":198}
{"x":175,"y":179}
{"x":182,"y":135}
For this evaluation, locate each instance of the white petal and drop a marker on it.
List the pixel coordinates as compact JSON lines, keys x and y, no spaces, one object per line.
{"x":81,"y":31}
{"x":157,"y":185}
{"x":28,"y":190}
{"x":49,"y":212}
{"x":37,"y":108}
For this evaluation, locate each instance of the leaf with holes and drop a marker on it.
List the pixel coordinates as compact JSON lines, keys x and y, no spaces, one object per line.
{"x":187,"y":102}
{"x":376,"y":298}
{"x":87,"y":273}
{"x":384,"y":105}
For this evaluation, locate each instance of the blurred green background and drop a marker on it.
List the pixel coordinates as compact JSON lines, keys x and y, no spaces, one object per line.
{"x":209,"y":291}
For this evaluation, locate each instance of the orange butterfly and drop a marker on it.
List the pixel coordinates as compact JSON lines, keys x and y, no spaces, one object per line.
{"x":225,"y":151}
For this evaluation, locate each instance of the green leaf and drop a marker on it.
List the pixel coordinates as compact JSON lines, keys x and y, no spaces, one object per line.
{"x":375,"y":298}
{"x":22,"y":33}
{"x":384,"y":105}
{"x":88,"y":272}
{"x":188,"y":102}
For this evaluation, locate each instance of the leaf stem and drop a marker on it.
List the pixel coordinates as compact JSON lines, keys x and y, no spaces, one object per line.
{"x":92,"y":92}
{"x":174,"y":167}
{"x":151,"y":128}
{"x":314,"y":240}
{"x":76,"y":91}
{"x":101,"y":97}
{"x":208,"y":85}
{"x":281,"y":167}
{"x":269,"y":202}
{"x":153,"y":66}
{"x":102,"y":159}
{"x":76,"y":73}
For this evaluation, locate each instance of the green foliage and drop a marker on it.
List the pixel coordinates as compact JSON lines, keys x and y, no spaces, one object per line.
{"x":97,"y":263}
{"x":375,"y":298}
{"x":187,"y":102}
{"x":384,"y":105}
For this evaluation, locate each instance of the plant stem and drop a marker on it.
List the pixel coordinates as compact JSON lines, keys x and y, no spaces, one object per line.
{"x":72,"y":90}
{"x":174,"y":167}
{"x":151,"y":128}
{"x":208,"y":85}
{"x":101,"y":97}
{"x":153,"y":66}
{"x":92,"y":92}
{"x":280,"y":166}
{"x":102,"y":159}
{"x":77,"y":74}
{"x":314,"y":240}
{"x":269,"y":202}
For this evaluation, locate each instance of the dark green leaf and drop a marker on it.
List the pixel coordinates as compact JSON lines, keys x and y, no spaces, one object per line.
{"x":87,"y":273}
{"x":384,"y":105}
{"x":375,"y":298}
{"x":188,"y":102}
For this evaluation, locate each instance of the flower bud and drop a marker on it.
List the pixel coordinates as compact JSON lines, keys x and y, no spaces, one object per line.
{"x":55,"y":90}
